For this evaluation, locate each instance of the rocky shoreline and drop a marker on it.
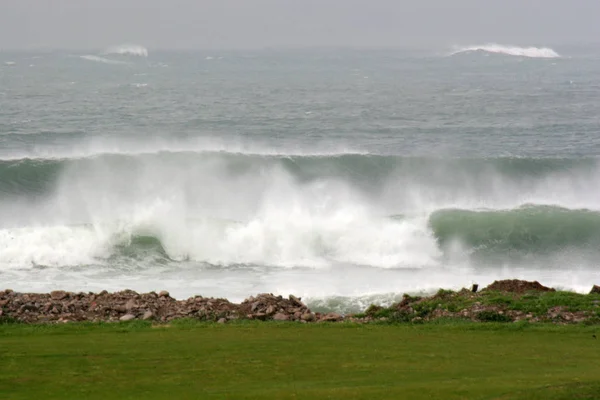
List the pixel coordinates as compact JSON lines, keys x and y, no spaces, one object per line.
{"x":502,"y":301}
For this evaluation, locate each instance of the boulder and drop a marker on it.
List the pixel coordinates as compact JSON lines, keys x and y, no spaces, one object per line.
{"x":163,"y":293}
{"x":127,"y":317}
{"x":148,"y":315}
{"x":130,"y":305}
{"x":307,"y":317}
{"x":281,"y":317}
{"x":595,"y":290}
{"x":58,"y":295}
{"x":331,"y":317}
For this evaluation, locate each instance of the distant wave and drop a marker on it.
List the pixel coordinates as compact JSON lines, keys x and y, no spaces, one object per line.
{"x":532,"y":52}
{"x":95,"y":148}
{"x":128,"y":50}
{"x":101,"y":59}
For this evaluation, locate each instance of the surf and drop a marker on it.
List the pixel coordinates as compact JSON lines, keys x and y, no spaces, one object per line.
{"x":529,"y":52}
{"x":128,"y":50}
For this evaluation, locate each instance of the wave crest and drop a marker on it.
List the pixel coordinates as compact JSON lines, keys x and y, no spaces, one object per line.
{"x":128,"y":50}
{"x":532,"y":52}
{"x":101,"y":60}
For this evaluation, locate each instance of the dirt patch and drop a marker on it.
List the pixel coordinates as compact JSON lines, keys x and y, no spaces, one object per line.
{"x":518,"y":286}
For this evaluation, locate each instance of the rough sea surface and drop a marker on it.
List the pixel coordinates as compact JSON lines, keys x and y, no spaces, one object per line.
{"x":342,"y":176}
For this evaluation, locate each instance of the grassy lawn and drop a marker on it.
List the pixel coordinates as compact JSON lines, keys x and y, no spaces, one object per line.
{"x":190,"y":360}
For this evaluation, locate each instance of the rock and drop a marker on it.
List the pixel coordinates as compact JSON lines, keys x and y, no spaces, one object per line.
{"x":331,"y":317}
{"x":595,"y":290}
{"x":261,"y":316}
{"x":271,"y":310}
{"x":148,"y":315}
{"x":127,"y":317}
{"x":130,"y":305}
{"x":254,"y":306}
{"x":28,"y":307}
{"x":163,"y":293}
{"x":9,"y":291}
{"x":119,"y":308}
{"x":296,"y":300}
{"x":281,"y":317}
{"x":221,"y":321}
{"x":1,"y":312}
{"x":307,"y":317}
{"x":58,"y":295}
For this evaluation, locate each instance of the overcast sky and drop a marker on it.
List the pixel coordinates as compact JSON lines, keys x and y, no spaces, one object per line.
{"x":180,"y":24}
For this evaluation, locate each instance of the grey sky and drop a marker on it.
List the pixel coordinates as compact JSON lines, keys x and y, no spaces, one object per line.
{"x":178,"y":24}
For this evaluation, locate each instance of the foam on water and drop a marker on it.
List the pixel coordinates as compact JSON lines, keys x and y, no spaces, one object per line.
{"x":281,"y":174}
{"x":102,"y":60}
{"x":532,"y":52}
{"x":93,"y":147}
{"x":128,"y":50}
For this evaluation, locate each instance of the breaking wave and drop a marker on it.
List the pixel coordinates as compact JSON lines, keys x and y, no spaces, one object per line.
{"x":290,"y":211}
{"x":128,"y":50}
{"x":532,"y":52}
{"x":101,"y":60}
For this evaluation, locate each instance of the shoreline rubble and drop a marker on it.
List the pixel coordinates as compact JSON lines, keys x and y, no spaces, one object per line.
{"x":60,"y":307}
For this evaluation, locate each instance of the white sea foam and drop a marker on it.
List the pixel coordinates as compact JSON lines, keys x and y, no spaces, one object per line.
{"x":128,"y":49}
{"x":101,"y":59}
{"x":532,"y":52}
{"x":122,"y":146}
{"x":234,"y":232}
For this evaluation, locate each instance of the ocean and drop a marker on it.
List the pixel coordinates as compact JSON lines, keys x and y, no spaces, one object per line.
{"x":342,"y":176}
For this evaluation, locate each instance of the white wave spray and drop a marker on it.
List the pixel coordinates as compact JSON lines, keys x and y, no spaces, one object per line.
{"x":233,"y":231}
{"x":102,"y":60}
{"x":531,"y":52}
{"x":128,"y":50}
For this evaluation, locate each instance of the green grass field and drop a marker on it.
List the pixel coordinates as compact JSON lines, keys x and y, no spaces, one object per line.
{"x":190,"y":360}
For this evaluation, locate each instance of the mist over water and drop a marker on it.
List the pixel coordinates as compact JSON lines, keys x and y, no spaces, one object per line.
{"x":345,"y":177}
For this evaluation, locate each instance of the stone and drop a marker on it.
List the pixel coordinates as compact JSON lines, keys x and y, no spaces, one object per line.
{"x":28,"y":307}
{"x":595,"y":290}
{"x":1,"y":312}
{"x":271,"y":310}
{"x":163,"y":293}
{"x":254,"y":306}
{"x":148,"y":315}
{"x":281,"y":317}
{"x":8,"y":291}
{"x":331,"y":317}
{"x":58,"y":295}
{"x":119,"y":308}
{"x":307,"y":317}
{"x":130,"y":305}
{"x":296,"y":300}
{"x":261,"y":316}
{"x":221,"y":321}
{"x":127,"y":317}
